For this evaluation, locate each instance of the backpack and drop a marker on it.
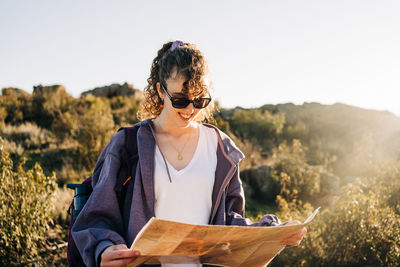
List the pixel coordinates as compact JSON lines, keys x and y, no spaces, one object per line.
{"x":127,"y":170}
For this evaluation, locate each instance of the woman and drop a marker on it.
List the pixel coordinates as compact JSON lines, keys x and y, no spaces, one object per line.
{"x":186,"y":172}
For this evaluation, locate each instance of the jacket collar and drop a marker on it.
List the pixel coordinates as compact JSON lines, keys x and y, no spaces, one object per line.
{"x":231,"y":150}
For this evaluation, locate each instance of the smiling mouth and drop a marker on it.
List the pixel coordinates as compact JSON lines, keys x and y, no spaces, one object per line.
{"x":185,"y":116}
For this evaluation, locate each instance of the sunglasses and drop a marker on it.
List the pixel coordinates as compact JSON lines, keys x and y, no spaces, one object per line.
{"x":183,"y":102}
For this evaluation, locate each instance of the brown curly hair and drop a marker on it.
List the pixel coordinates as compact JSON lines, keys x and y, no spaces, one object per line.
{"x":191,"y":64}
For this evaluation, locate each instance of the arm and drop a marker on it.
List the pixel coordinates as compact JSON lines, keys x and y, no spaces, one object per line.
{"x":100,"y":223}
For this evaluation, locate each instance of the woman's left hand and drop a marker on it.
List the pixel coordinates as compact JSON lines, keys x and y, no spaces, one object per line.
{"x":294,"y":240}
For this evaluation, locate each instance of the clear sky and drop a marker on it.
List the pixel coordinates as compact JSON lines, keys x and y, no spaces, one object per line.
{"x":259,"y":52}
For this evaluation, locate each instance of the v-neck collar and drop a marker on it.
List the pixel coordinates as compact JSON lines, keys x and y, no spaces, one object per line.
{"x":192,"y":160}
{"x":227,"y":156}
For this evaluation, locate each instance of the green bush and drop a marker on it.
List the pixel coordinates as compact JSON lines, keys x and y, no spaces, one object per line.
{"x":25,"y":200}
{"x":297,"y":178}
{"x":65,"y":125}
{"x":261,"y":128}
{"x":47,"y":103}
{"x":124,"y":109}
{"x":259,"y":184}
{"x":96,"y":126}
{"x":360,"y":229}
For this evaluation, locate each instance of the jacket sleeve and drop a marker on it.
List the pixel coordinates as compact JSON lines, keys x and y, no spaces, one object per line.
{"x":100,"y":224}
{"x":235,"y":203}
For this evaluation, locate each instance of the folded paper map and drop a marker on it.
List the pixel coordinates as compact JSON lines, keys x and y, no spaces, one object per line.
{"x":162,"y":241}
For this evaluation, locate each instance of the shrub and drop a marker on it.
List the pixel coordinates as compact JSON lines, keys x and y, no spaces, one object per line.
{"x":14,"y":103}
{"x":25,"y":200}
{"x":297,"y":178}
{"x":361,"y":229}
{"x":96,"y":126}
{"x":47,"y":102}
{"x":60,"y":204}
{"x":260,"y":185}
{"x":13,"y":148}
{"x":65,"y":125}
{"x":124,"y":109}
{"x":261,"y":128}
{"x":28,"y":135}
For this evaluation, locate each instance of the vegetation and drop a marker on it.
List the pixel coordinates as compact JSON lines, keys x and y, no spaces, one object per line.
{"x":361,"y":228}
{"x":25,"y":200}
{"x":342,"y":158}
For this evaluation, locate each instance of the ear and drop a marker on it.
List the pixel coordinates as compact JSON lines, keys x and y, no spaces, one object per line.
{"x":159,"y":90}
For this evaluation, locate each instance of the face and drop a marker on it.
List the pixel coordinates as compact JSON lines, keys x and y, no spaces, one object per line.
{"x":179,"y":117}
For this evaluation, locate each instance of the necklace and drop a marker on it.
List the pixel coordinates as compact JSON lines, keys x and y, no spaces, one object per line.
{"x":180,"y":157}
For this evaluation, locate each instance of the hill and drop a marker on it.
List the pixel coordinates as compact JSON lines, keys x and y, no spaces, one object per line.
{"x":113,"y":90}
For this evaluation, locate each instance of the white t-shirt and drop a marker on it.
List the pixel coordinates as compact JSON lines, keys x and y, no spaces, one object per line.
{"x":188,"y":199}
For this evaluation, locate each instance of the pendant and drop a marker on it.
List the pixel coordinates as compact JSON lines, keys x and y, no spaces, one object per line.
{"x":180,"y":157}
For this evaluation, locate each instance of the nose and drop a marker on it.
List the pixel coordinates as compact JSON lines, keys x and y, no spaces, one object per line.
{"x":190,"y":108}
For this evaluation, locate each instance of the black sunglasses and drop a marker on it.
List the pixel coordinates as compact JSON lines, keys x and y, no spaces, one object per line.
{"x":183,"y":102}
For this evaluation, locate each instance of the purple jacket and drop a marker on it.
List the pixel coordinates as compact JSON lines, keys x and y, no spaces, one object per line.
{"x":101,"y":223}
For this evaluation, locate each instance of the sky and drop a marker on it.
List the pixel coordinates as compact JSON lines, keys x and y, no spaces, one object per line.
{"x":259,"y":52}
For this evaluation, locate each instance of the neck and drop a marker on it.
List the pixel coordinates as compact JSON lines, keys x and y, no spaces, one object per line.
{"x":164,"y":126}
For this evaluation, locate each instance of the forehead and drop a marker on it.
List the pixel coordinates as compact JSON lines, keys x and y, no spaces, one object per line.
{"x":176,"y":85}
{"x":175,"y":82}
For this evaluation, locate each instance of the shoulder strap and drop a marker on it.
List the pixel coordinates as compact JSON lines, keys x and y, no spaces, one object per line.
{"x":131,"y":139}
{"x":129,"y":156}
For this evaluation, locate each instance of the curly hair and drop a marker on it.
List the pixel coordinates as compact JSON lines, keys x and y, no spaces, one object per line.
{"x":191,"y":64}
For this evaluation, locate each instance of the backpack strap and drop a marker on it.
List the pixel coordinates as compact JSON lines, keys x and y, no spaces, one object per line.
{"x":129,"y":158}
{"x":131,"y":139}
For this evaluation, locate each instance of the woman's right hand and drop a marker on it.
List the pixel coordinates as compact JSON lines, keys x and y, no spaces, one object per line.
{"x":118,"y":255}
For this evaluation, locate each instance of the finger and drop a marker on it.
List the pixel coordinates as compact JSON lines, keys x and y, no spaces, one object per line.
{"x":299,"y":234}
{"x":121,"y":254}
{"x":302,"y":233}
{"x":292,"y":244}
{"x":292,"y":240}
{"x":118,"y":263}
{"x":111,"y":249}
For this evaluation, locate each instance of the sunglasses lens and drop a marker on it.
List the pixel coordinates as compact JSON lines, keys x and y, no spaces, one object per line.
{"x":201,"y":102}
{"x":184,"y":102}
{"x":180,"y":102}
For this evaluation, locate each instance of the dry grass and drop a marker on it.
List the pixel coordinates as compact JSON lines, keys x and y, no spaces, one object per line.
{"x":61,"y":201}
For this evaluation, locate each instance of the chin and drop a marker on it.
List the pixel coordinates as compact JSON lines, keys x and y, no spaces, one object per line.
{"x":185,"y":121}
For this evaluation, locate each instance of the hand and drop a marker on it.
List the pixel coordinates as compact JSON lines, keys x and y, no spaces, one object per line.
{"x":294,"y":240}
{"x":118,"y":255}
